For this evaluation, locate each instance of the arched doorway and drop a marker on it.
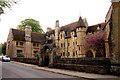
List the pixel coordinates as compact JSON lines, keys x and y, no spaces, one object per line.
{"x":89,"y":54}
{"x":45,"y":55}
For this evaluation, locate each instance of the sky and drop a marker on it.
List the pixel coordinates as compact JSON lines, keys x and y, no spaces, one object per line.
{"x":48,"y":11}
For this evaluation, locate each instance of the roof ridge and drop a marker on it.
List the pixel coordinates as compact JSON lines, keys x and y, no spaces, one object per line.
{"x":70,"y":23}
{"x":17,"y":29}
{"x":97,"y":24}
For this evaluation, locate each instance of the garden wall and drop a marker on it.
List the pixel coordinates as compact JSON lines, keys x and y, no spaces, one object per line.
{"x":115,"y":69}
{"x":26,"y":60}
{"x":91,"y":65}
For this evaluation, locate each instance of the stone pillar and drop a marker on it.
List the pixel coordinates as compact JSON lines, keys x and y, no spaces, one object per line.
{"x":28,"y":44}
{"x":116,"y":31}
{"x":51,"y":59}
{"x":107,"y":49}
{"x":28,"y":50}
{"x":57,"y":33}
{"x":40,"y":60}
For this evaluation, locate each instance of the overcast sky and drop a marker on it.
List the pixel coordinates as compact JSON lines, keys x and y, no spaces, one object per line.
{"x":48,"y":11}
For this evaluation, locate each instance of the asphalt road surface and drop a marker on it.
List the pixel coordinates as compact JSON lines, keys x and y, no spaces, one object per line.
{"x":12,"y":70}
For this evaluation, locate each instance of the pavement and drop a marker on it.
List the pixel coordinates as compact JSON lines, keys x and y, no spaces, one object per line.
{"x":71,"y":73}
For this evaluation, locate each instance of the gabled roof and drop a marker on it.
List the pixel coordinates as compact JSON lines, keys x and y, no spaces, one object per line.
{"x":72,"y":26}
{"x":37,"y":37}
{"x":80,"y":23}
{"x":93,"y":28}
{"x":19,"y":35}
{"x":68,"y":28}
{"x":52,"y":31}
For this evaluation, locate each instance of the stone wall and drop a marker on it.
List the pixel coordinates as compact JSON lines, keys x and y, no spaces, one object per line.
{"x":26,"y":60}
{"x":115,"y":69}
{"x":91,"y":65}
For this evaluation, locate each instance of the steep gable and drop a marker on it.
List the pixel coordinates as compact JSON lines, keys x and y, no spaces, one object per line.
{"x":19,"y":35}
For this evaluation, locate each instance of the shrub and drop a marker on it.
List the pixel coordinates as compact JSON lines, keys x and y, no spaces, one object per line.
{"x":20,"y":55}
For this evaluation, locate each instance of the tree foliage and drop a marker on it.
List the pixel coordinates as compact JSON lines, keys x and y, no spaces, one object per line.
{"x":6,"y":4}
{"x":95,"y":42}
{"x":35,"y":25}
{"x":3,"y":48}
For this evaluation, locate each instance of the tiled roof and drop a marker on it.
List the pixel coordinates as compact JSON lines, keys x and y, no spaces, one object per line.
{"x":52,"y":31}
{"x":80,"y":23}
{"x":72,"y":27}
{"x":37,"y":37}
{"x":68,"y":28}
{"x":19,"y":35}
{"x":93,"y":28}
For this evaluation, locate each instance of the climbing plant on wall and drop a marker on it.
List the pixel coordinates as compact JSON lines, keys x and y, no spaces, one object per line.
{"x":95,"y":41}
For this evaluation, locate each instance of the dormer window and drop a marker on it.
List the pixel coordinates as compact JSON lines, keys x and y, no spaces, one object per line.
{"x":98,"y":28}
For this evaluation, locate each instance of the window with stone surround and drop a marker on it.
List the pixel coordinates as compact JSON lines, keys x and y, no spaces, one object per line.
{"x":61,"y":54}
{"x":21,"y":43}
{"x":19,"y":51}
{"x":35,"y":51}
{"x":17,"y":43}
{"x":61,"y":45}
{"x":35,"y":44}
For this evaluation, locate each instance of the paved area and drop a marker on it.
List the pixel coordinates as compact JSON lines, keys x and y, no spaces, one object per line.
{"x":13,"y":70}
{"x":70,"y":72}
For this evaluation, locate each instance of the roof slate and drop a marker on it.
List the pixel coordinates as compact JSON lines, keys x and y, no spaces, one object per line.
{"x":93,"y":28}
{"x":19,"y":35}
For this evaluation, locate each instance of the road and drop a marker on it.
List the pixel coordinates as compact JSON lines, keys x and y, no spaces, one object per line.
{"x":12,"y":70}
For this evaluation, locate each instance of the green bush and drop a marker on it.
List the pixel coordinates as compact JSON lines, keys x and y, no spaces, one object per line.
{"x":20,"y":55}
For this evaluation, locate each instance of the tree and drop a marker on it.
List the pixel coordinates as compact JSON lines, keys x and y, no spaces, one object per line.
{"x":3,"y":48}
{"x":0,"y":48}
{"x":95,"y":41}
{"x":6,"y":4}
{"x":35,"y":25}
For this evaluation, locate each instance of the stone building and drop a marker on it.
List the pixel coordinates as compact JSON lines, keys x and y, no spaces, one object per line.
{"x":70,"y":38}
{"x":112,"y":31}
{"x":24,"y":42}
